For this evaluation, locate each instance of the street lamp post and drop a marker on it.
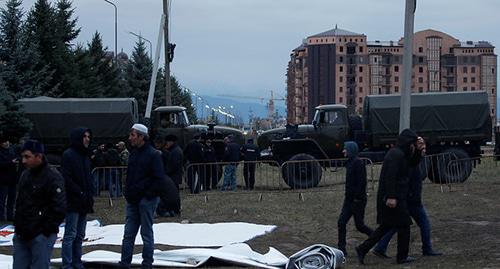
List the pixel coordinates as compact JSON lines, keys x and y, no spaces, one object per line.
{"x":145,"y":39}
{"x":116,"y":29}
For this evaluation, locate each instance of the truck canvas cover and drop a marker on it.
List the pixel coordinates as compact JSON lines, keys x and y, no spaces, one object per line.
{"x":54,"y":118}
{"x":446,"y":116}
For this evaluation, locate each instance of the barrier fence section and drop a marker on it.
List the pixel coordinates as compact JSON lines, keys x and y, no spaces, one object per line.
{"x":109,"y":179}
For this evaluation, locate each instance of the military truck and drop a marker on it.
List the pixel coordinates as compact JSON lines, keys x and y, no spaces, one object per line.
{"x":168,"y":120}
{"x":453,"y":123}
{"x":54,"y":118}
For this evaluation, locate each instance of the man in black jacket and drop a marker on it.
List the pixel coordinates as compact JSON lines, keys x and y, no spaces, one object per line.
{"x":170,"y":202}
{"x":232,"y":155}
{"x":8,"y":179}
{"x":76,"y":170}
{"x":251,"y":154}
{"x":355,"y":195}
{"x":212,"y":173}
{"x":392,"y":207}
{"x":145,"y":175}
{"x":194,"y":156}
{"x":40,"y":209}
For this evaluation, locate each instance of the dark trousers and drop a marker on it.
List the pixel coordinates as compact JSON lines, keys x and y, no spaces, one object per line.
{"x":403,"y":240}
{"x":249,"y":175}
{"x":350,"y":209}
{"x":211,"y":176}
{"x":195,"y":177}
{"x":7,"y":201}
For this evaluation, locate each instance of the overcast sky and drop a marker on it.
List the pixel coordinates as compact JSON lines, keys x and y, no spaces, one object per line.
{"x":243,"y":46}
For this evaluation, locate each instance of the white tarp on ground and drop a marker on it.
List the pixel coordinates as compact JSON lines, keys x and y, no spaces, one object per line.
{"x":239,"y":254}
{"x":173,"y":234}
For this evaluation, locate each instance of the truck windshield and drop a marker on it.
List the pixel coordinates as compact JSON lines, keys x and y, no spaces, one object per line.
{"x":330,"y":117}
{"x":174,"y":119}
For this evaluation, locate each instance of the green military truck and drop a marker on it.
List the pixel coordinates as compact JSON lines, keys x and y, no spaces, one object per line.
{"x":53,"y":119}
{"x":454,"y":124}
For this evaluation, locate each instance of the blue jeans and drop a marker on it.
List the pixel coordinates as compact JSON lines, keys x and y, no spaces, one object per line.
{"x":34,"y":253}
{"x":229,"y":177}
{"x":139,"y":215}
{"x":419,"y":214}
{"x":74,"y":233}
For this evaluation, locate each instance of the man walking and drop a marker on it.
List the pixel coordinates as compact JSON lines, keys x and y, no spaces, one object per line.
{"x":392,"y":208}
{"x":144,"y":176}
{"x":355,"y":195}
{"x":251,"y":154}
{"x":40,"y":209}
{"x":416,"y":209}
{"x":76,"y":171}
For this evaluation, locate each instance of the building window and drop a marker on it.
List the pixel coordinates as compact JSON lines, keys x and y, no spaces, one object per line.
{"x":341,"y":79}
{"x":465,"y":79}
{"x":473,"y":69}
{"x":360,"y":89}
{"x":341,"y":48}
{"x":420,"y":59}
{"x":341,"y":69}
{"x":420,"y":49}
{"x":360,"y":69}
{"x":360,"y":79}
{"x":451,"y":50}
{"x":396,"y":68}
{"x":341,"y":89}
{"x":420,"y":89}
{"x":420,"y":80}
{"x":464,"y":89}
{"x":341,"y":99}
{"x":473,"y":80}
{"x":396,"y":89}
{"x":493,"y":70}
{"x":396,"y":79}
{"x":420,"y":69}
{"x":465,"y":69}
{"x":473,"y":88}
{"x":492,"y":91}
{"x":360,"y":100}
{"x":350,"y":101}
{"x":341,"y":59}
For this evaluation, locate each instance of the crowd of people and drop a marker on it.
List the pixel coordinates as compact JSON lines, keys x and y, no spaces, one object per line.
{"x":47,"y":196}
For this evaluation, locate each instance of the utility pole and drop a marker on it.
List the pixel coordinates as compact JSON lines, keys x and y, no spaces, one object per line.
{"x":405,"y":107}
{"x":168,"y":92}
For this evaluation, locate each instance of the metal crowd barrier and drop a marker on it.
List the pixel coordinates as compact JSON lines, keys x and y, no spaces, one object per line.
{"x":110,"y":180}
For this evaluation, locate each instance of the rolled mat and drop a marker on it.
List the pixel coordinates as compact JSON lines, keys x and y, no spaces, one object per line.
{"x":316,"y":257}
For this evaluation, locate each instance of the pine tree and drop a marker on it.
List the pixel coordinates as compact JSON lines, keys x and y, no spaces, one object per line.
{"x":10,"y":25}
{"x":106,"y":71}
{"x":13,"y":124}
{"x":139,"y":75}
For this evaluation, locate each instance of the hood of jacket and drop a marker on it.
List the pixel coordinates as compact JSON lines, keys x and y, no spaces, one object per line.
{"x":76,"y":139}
{"x":351,"y":149}
{"x":405,"y":139}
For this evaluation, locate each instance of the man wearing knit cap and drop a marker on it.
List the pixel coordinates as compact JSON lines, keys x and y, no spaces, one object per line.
{"x":40,"y":209}
{"x":144,"y":178}
{"x":392,"y":195}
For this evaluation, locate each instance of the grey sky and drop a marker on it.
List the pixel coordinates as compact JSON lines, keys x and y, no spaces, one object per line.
{"x":243,"y":46}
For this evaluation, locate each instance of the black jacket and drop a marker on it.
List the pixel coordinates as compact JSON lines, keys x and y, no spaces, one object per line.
{"x":172,"y":161}
{"x":355,"y":180}
{"x":250,"y":152}
{"x":194,"y":152}
{"x":145,"y":174}
{"x":8,"y":169}
{"x":76,"y":170}
{"x":394,"y":182}
{"x":210,"y":156}
{"x":232,"y":152}
{"x":41,"y":202}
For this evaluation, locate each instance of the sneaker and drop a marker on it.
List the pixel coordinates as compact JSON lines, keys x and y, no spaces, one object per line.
{"x":380,"y":254}
{"x":407,"y":260}
{"x":432,"y":253}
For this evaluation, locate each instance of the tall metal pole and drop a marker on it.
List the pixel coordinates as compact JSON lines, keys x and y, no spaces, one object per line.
{"x":116,"y":30}
{"x":145,"y":39}
{"x":405,"y":107}
{"x":168,"y":93}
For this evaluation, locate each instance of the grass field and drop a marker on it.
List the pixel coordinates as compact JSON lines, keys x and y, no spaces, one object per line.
{"x":465,"y":219}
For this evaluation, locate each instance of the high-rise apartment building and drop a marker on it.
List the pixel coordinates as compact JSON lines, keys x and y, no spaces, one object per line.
{"x":342,"y":67}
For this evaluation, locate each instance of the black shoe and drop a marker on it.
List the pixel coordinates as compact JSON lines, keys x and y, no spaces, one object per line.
{"x":343,"y":251}
{"x":431,"y":253}
{"x":380,"y":254}
{"x":361,"y":255}
{"x":407,"y":260}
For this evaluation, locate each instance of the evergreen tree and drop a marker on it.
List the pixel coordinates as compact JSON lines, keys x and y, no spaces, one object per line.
{"x":182,"y":98}
{"x":13,"y":124}
{"x":139,"y":75}
{"x":106,"y":71}
{"x":10,"y":26}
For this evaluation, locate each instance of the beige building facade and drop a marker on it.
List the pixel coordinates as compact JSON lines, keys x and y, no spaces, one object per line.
{"x":342,"y":67}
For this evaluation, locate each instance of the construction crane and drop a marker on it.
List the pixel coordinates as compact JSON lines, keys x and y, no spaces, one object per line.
{"x":269,"y":105}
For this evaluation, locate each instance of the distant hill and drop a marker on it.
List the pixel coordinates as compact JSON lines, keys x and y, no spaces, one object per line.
{"x":241,"y":108}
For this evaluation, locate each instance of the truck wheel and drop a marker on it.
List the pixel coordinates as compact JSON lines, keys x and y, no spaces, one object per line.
{"x":302,"y":171}
{"x":454,"y":166}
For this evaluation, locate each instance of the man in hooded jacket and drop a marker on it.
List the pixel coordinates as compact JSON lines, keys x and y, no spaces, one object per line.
{"x":76,"y":170}
{"x":392,"y":208}
{"x":355,"y":195}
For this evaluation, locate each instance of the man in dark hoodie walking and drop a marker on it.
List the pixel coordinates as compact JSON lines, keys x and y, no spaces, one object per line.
{"x":392,"y":208}
{"x":145,"y":175}
{"x":76,"y":170}
{"x":355,"y":195}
